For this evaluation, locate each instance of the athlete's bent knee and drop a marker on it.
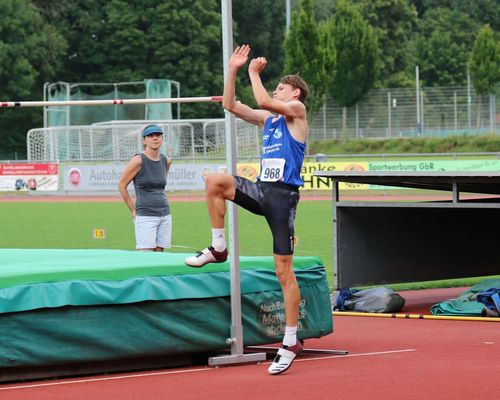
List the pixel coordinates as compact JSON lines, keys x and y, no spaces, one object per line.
{"x":220,"y":184}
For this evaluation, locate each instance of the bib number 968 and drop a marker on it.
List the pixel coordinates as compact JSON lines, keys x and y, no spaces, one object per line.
{"x":272,"y":174}
{"x":272,"y":169}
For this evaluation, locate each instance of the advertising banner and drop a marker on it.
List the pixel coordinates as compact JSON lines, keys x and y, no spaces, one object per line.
{"x":432,"y":165}
{"x":251,"y":171}
{"x":106,"y":177}
{"x":27,"y":176}
{"x":435,"y":165}
{"x":192,"y":176}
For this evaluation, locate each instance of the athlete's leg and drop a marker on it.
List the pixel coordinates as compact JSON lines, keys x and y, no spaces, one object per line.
{"x":280,"y":217}
{"x":218,"y":189}
{"x":289,"y":286}
{"x":291,"y":347}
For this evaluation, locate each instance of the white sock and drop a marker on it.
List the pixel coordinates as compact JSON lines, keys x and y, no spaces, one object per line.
{"x":290,"y":336}
{"x":218,"y":239}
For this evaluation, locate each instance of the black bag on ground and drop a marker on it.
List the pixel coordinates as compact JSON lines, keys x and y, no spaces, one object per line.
{"x":375,"y":300}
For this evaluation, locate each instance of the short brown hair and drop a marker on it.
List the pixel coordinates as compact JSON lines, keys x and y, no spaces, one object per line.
{"x":298,"y":83}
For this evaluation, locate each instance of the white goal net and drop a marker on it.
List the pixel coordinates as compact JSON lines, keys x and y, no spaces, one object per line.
{"x":120,"y":140}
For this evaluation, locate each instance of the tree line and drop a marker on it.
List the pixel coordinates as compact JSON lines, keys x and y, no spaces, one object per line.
{"x":342,"y":48}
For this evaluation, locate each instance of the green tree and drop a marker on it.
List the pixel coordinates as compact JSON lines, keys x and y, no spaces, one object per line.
{"x":263,"y":31}
{"x":357,"y":55}
{"x":30,"y":50}
{"x":441,"y":60}
{"x":309,"y":53}
{"x":442,"y":42}
{"x":190,"y":51}
{"x":122,"y":41}
{"x":394,"y":22}
{"x":483,"y":11}
{"x":485,"y":65}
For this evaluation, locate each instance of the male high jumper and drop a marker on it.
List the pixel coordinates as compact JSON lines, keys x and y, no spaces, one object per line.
{"x":275,"y":194}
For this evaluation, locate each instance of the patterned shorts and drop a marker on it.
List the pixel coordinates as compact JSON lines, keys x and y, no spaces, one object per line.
{"x":277,"y":202}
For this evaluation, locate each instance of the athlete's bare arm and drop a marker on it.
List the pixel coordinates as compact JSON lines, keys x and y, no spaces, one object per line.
{"x":284,"y":102}
{"x":246,"y":113}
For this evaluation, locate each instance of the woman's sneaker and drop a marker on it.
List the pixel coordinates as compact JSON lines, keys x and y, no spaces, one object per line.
{"x":208,"y":255}
{"x":284,"y":358}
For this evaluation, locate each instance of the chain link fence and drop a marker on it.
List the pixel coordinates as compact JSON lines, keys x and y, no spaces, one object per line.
{"x":382,"y":114}
{"x":391,"y":113}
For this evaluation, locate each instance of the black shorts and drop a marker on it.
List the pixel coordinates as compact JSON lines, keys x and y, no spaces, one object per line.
{"x":277,"y":202}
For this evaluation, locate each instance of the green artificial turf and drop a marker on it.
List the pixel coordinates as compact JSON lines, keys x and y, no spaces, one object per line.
{"x":71,"y":225}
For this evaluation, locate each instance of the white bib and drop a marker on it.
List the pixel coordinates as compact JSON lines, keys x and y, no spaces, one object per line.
{"x":272,"y":169}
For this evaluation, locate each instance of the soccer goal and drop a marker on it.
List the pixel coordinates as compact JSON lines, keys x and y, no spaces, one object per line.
{"x":120,"y":140}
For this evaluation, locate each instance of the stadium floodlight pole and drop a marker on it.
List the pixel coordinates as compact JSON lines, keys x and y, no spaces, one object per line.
{"x":115,"y":102}
{"x":288,"y":11}
{"x":236,"y":333}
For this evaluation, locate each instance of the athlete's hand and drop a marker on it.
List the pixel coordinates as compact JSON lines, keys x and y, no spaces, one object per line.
{"x":257,"y":65}
{"x":239,"y":56}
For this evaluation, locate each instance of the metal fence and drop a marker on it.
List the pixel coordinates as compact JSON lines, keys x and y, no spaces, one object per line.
{"x":389,"y":113}
{"x":383,"y":113}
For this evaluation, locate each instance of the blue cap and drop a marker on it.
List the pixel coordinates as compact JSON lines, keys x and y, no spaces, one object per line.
{"x":150,"y":129}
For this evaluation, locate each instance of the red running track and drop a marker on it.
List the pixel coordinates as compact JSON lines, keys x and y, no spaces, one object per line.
{"x":388,"y":359}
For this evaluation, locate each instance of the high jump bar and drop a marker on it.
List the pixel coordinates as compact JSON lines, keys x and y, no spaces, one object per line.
{"x":12,"y":104}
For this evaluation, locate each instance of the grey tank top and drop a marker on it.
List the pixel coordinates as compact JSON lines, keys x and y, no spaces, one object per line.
{"x":149,"y":184}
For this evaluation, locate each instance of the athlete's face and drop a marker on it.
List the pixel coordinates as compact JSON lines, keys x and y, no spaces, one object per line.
{"x":286,"y":92}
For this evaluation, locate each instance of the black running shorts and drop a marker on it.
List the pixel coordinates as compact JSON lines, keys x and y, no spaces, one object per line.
{"x":277,"y":202}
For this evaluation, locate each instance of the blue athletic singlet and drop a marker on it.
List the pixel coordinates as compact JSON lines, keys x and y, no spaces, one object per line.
{"x":279,"y":144}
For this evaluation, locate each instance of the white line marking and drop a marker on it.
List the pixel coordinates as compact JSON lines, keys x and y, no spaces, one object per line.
{"x":184,"y":371}
{"x":377,"y":353}
{"x":108,"y":378}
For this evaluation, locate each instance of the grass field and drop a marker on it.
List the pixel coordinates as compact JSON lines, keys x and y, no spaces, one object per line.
{"x":71,"y":225}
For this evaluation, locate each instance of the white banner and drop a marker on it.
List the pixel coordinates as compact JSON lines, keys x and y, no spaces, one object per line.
{"x":106,"y":177}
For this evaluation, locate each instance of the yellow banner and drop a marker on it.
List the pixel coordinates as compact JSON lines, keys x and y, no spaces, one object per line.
{"x":251,"y":171}
{"x":320,"y":183}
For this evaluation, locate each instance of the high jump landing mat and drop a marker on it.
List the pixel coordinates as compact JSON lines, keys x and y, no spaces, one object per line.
{"x":84,"y":311}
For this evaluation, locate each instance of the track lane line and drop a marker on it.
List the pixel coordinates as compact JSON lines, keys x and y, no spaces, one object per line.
{"x":377,"y":353}
{"x":185,"y":371}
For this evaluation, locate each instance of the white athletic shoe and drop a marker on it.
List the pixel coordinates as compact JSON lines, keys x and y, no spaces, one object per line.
{"x":208,"y":255}
{"x":284,"y":358}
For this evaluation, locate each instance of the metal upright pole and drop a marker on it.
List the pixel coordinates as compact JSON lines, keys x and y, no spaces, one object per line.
{"x":469,"y":101}
{"x":288,"y":13}
{"x":46,"y":88}
{"x":389,"y":116}
{"x":455,"y":112}
{"x":236,"y":336}
{"x":492,"y":113}
{"x":417,"y":86}
{"x":324,"y":118}
{"x":357,"y":120}
{"x":422,"y":122}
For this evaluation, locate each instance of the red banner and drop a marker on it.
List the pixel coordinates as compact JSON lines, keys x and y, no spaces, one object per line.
{"x":27,"y":176}
{"x":29,"y":169}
